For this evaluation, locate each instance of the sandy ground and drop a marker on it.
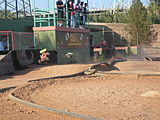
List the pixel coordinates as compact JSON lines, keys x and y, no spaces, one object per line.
{"x":10,"y":110}
{"x":139,"y":67}
{"x":112,"y":97}
{"x":153,"y":66}
{"x":13,"y":111}
{"x":38,"y":71}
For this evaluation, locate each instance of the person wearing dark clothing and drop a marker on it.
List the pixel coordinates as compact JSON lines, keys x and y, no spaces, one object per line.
{"x":81,"y":14}
{"x":60,"y":7}
{"x":68,"y":16}
{"x":77,"y":13}
{"x":91,"y":46}
{"x":84,"y":14}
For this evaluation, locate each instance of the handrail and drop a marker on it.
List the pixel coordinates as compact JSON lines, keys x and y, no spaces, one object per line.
{"x":48,"y":17}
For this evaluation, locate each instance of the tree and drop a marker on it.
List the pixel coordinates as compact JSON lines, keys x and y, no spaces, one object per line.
{"x":10,"y":15}
{"x":107,"y":18}
{"x":138,"y":24}
{"x":154,"y":13}
{"x":119,"y":17}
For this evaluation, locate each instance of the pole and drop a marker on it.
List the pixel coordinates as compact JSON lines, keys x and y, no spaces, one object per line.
{"x":5,"y":9}
{"x":24,"y":8}
{"x":114,"y":6}
{"x":30,"y":9}
{"x":113,"y":37}
{"x":88,"y":4}
{"x":55,"y":3}
{"x":33,"y":4}
{"x":103,"y":32}
{"x":67,"y":18}
{"x":48,"y":4}
{"x":12,"y":34}
{"x":16,"y":9}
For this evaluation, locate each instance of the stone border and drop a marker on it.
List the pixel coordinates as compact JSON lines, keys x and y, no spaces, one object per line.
{"x":53,"y":110}
{"x":126,"y":73}
{"x":71,"y":114}
{"x":57,"y":77}
{"x":7,"y":88}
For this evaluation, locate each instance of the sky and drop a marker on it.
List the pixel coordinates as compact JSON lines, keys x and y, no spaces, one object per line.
{"x":93,"y":4}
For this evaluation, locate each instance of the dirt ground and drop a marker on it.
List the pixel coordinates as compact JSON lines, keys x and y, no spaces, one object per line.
{"x":112,"y":97}
{"x":143,"y":67}
{"x":13,"y":111}
{"x":40,"y":71}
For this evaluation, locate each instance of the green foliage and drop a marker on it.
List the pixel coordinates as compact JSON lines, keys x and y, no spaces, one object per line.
{"x":106,"y":18}
{"x":94,"y":18}
{"x":154,"y":13}
{"x":118,"y":17}
{"x":138,"y":24}
{"x":10,"y":15}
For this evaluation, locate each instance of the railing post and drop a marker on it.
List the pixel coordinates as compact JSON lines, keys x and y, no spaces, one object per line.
{"x":49,"y":24}
{"x":67,"y":19}
{"x":54,"y":17}
{"x":12,"y":34}
{"x":40,"y":21}
{"x":34,"y":11}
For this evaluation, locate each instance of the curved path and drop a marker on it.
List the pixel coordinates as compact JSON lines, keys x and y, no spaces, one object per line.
{"x":111,"y":97}
{"x":69,"y":70}
{"x":11,"y":111}
{"x":38,"y":72}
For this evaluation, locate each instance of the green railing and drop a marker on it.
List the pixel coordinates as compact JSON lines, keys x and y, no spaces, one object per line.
{"x":49,"y":17}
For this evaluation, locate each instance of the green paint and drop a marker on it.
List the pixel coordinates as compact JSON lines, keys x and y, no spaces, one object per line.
{"x":16,"y":25}
{"x":47,"y":40}
{"x":50,"y":41}
{"x":80,"y":56}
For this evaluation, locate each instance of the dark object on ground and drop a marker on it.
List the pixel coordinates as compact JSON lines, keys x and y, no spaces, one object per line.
{"x":152,"y":59}
{"x":106,"y":66}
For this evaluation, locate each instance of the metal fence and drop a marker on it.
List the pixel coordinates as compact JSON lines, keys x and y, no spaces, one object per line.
{"x":20,"y":40}
{"x":49,"y":17}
